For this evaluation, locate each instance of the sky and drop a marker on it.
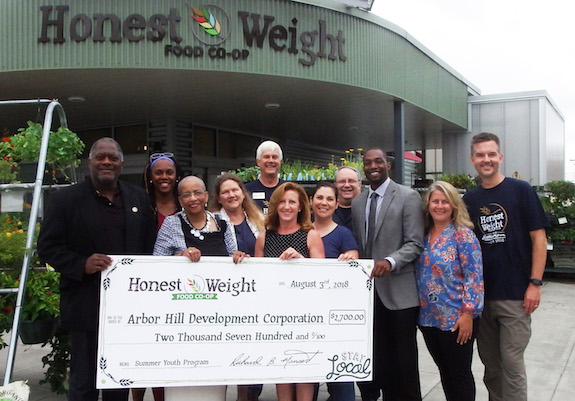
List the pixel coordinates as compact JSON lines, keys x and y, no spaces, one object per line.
{"x":500,"y":46}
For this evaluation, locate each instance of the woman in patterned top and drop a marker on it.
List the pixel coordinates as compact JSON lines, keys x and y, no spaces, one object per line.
{"x":194,"y":231}
{"x":289,"y":234}
{"x":449,"y":276}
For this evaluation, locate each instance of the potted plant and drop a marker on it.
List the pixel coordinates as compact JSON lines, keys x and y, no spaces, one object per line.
{"x":64,"y":148}
{"x":559,"y":204}
{"x":298,"y":171}
{"x":461,"y":181}
{"x":40,"y":307}
{"x":40,"y":304}
{"x":39,"y":321}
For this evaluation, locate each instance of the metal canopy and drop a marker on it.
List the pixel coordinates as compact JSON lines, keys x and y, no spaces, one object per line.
{"x":315,"y":113}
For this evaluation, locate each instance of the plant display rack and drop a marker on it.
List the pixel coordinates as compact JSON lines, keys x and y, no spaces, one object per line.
{"x":52,"y":105}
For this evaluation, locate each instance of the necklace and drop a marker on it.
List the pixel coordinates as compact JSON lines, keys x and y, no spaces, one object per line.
{"x":198,"y":232}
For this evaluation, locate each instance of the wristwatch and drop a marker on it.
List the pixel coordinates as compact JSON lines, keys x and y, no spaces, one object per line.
{"x":536,"y":281}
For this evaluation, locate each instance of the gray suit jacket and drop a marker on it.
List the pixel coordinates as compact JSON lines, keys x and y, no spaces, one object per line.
{"x":398,"y":234}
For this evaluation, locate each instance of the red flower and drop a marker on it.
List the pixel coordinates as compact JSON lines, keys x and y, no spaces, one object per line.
{"x":436,"y":271}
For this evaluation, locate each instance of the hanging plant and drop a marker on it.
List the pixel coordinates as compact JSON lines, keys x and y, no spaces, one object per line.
{"x":64,"y":148}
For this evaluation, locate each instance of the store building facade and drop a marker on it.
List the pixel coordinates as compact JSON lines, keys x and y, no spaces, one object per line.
{"x":209,"y":81}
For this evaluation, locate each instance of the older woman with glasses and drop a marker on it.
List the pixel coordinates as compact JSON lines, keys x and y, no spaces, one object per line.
{"x":194,"y":232}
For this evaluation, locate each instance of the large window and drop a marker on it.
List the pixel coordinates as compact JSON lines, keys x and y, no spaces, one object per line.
{"x":232,"y":145}
{"x":204,"y":141}
{"x":132,"y":138}
{"x":91,"y":136}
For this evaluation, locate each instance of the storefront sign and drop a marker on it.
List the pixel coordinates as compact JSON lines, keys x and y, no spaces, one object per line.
{"x":165,"y":321}
{"x":210,"y":25}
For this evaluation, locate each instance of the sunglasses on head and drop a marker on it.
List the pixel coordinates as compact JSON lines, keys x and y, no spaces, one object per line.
{"x":156,"y":156}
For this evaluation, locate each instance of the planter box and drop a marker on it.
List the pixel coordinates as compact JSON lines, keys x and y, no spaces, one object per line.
{"x":561,"y":258}
{"x":28,"y":173}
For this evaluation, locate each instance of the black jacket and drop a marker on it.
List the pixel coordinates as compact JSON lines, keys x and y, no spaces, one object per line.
{"x":72,"y":231}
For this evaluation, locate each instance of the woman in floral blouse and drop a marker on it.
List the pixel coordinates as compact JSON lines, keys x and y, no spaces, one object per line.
{"x":450,"y":282}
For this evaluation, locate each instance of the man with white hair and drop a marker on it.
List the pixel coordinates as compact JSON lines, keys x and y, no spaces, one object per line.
{"x":269,"y":159}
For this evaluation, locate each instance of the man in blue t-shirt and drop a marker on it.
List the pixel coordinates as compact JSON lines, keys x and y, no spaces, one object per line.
{"x":269,"y":159}
{"x":510,"y":224}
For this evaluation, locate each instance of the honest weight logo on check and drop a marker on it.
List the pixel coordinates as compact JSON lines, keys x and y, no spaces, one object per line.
{"x":195,"y":287}
{"x":198,"y":287}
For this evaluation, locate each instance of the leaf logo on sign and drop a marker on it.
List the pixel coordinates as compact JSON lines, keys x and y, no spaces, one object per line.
{"x":207,"y":21}
{"x":193,"y":285}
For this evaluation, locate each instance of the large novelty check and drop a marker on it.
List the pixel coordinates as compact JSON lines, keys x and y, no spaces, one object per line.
{"x":165,"y":321}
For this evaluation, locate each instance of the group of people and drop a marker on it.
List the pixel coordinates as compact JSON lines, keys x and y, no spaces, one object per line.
{"x":431,"y":260}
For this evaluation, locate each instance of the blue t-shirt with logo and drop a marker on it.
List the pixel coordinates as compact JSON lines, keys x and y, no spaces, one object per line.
{"x":261,"y":194}
{"x":503,"y":217}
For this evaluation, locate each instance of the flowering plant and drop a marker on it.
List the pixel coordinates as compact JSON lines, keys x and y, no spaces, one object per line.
{"x":41,"y":301}
{"x":42,"y":297}
{"x":64,"y":147}
{"x":7,"y":163}
{"x":12,"y":240}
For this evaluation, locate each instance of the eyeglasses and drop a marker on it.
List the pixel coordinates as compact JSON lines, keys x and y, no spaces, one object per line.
{"x":156,"y":156}
{"x":347,"y":181}
{"x":188,"y":195}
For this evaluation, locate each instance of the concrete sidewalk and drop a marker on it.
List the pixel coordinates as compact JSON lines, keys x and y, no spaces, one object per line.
{"x":550,"y":357}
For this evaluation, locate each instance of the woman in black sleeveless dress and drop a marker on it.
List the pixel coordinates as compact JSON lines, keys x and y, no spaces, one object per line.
{"x":289,"y":234}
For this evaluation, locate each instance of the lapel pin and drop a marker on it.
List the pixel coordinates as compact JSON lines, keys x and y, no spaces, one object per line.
{"x":135,"y":209}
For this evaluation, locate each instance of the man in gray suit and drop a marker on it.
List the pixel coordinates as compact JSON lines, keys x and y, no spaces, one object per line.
{"x":388,"y":226}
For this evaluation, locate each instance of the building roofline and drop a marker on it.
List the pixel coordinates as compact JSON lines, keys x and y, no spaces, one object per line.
{"x":508,"y":97}
{"x":369,"y":16}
